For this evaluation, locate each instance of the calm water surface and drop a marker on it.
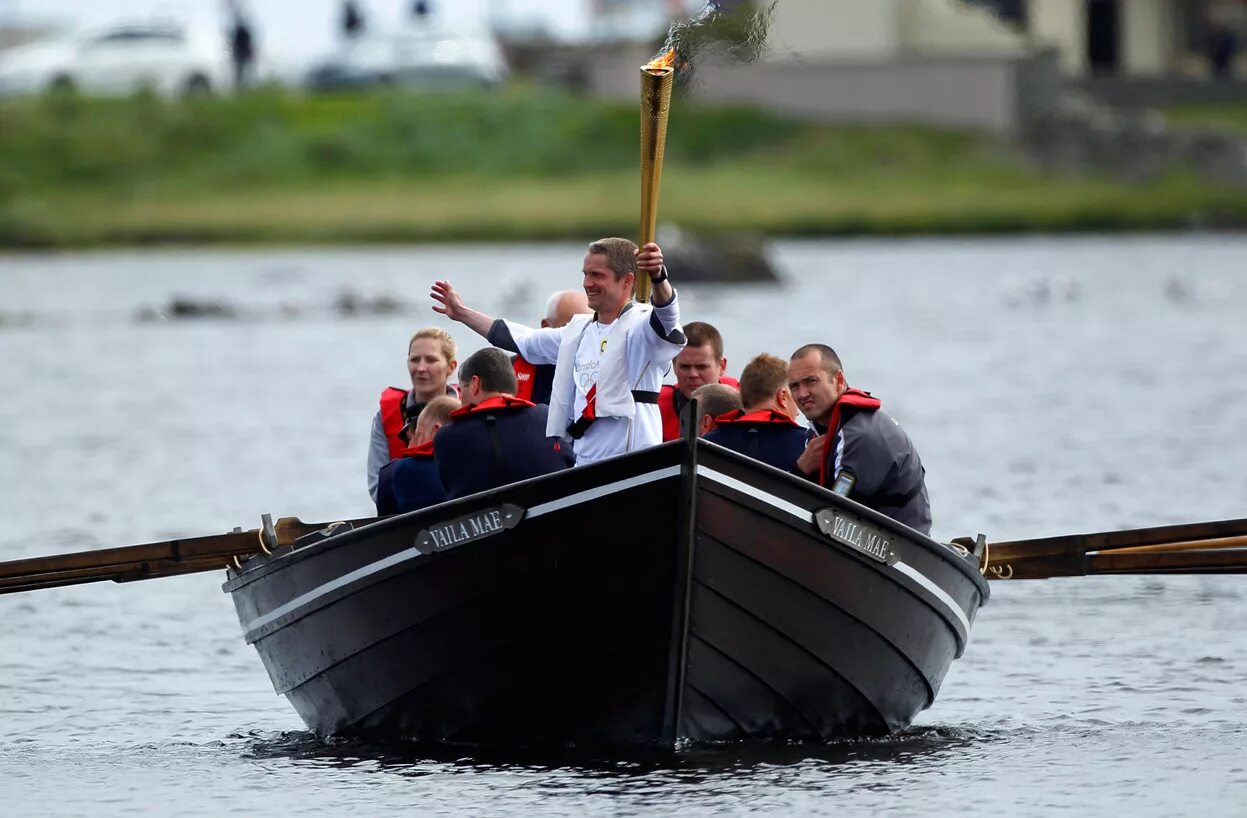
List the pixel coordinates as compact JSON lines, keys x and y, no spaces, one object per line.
{"x":1052,"y":386}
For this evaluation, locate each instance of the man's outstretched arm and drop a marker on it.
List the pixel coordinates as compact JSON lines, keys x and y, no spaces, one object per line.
{"x":452,"y":307}
{"x":538,"y":346}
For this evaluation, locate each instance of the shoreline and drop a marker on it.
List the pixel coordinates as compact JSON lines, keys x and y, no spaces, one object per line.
{"x":269,"y":169}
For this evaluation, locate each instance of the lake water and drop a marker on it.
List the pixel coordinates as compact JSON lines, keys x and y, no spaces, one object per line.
{"x":1051,"y":385}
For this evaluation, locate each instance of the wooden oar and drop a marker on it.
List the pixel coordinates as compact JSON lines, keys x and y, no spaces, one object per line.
{"x":1223,"y":561}
{"x":152,"y":560}
{"x":1189,"y":545}
{"x":1213,"y":547}
{"x":1108,"y":540}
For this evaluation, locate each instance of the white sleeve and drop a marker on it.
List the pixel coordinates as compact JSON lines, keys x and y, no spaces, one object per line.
{"x":666,"y":335}
{"x":538,"y":346}
{"x":378,"y":454}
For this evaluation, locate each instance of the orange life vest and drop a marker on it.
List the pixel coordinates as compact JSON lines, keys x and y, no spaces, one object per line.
{"x":762,"y":416}
{"x":854,"y":399}
{"x":424,"y":450}
{"x":492,"y":404}
{"x":525,"y":378}
{"x":393,"y":418}
{"x":671,"y":416}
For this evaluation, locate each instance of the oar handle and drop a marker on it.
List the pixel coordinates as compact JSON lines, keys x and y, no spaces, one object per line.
{"x":152,"y":560}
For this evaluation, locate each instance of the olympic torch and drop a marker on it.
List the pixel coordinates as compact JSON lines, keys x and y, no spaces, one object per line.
{"x":656,"y":80}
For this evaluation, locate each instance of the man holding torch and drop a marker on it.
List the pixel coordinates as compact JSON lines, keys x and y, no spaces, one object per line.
{"x":609,"y":365}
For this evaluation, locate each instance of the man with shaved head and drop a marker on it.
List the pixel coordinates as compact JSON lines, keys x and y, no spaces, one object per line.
{"x":534,"y":381}
{"x":859,"y":451}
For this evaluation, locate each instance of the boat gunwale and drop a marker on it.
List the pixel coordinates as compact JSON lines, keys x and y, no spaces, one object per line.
{"x":266,"y":564}
{"x":941,"y":550}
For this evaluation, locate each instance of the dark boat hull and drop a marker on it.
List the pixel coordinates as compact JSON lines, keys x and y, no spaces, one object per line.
{"x":682,"y":592}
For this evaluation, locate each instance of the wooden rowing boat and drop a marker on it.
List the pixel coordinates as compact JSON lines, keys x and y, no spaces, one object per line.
{"x":681,"y":593}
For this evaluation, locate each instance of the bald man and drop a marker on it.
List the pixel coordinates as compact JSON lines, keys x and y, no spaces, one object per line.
{"x":533,"y":381}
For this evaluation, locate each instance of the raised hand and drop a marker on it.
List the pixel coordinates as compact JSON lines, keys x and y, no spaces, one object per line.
{"x":452,"y":305}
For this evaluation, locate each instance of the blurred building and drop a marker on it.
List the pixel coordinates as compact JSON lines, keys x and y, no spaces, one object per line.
{"x":636,"y":19}
{"x":1135,"y":38}
{"x":943,"y":62}
{"x":884,"y":30}
{"x":996,"y":65}
{"x":14,"y":34}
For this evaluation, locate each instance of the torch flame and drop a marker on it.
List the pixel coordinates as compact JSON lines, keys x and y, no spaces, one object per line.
{"x":659,"y":63}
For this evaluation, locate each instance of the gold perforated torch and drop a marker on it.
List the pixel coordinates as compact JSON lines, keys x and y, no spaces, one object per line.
{"x":656,"y":77}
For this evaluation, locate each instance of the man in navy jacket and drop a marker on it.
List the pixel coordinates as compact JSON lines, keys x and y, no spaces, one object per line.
{"x":764,"y":428}
{"x":411,"y":482}
{"x":496,"y":438}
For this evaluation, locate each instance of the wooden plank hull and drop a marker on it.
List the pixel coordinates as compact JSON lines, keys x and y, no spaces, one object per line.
{"x":680,"y":593}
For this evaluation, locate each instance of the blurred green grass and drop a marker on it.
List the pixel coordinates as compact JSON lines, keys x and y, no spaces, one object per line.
{"x":1230,"y":117}
{"x":271,"y":166}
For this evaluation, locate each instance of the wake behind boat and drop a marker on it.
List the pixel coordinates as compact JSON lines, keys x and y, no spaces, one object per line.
{"x":678,"y":593}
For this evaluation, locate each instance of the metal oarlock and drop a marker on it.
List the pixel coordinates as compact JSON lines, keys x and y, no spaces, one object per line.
{"x":268,"y":534}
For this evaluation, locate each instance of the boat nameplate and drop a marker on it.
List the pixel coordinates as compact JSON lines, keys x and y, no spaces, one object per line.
{"x":469,"y":528}
{"x":859,"y":535}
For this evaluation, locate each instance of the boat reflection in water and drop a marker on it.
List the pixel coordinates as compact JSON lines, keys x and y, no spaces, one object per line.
{"x":681,"y":593}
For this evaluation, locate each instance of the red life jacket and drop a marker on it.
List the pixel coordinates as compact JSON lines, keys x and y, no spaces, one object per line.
{"x":671,"y":416}
{"x":762,"y":416}
{"x":525,"y":378}
{"x":393,"y":416}
{"x":854,"y":399}
{"x":424,"y":450}
{"x":492,"y":405}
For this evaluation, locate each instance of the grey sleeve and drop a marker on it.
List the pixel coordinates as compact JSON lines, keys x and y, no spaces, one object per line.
{"x":867,"y":456}
{"x":378,"y":454}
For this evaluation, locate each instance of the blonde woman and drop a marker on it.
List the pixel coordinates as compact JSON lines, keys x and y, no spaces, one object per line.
{"x":430,"y":363}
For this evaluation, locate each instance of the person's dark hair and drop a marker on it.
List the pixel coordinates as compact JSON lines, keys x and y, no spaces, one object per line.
{"x":761,"y":379}
{"x":715,"y":399}
{"x":620,"y":255}
{"x":700,"y":334}
{"x":830,"y":360}
{"x":494,"y":369}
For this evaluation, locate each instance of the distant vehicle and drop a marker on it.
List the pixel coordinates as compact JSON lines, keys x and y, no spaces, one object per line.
{"x":122,"y":59}
{"x":416,"y":56}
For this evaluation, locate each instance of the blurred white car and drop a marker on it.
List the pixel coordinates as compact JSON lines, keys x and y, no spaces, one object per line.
{"x":119,"y":60}
{"x":415,"y":56}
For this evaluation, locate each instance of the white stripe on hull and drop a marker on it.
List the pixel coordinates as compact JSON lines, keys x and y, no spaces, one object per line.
{"x":806,"y":516}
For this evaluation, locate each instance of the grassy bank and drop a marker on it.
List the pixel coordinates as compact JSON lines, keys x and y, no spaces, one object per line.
{"x":273,"y":167}
{"x":1227,"y":117}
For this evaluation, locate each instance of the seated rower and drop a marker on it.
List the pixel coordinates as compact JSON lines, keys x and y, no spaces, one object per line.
{"x":700,"y":363}
{"x":713,"y":399}
{"x":764,"y":428}
{"x":430,"y":364}
{"x":410,"y":483}
{"x":860,"y":451}
{"x":495,"y":438}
